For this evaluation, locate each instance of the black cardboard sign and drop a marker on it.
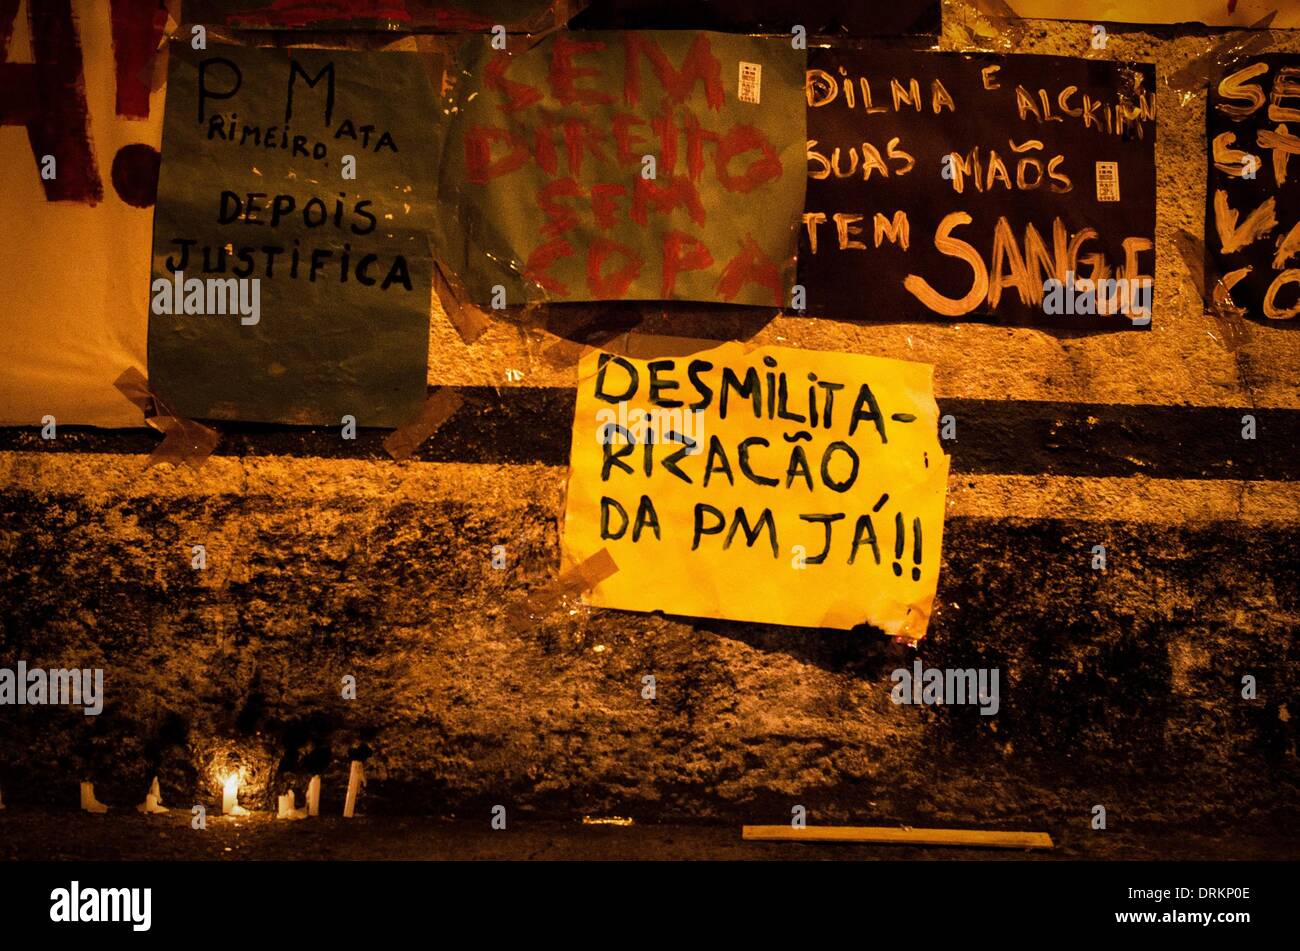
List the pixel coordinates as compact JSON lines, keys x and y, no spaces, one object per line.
{"x":952,"y":186}
{"x":1252,"y":196}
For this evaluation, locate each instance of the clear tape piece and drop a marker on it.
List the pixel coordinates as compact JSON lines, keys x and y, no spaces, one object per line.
{"x":1192,"y":77}
{"x":437,"y":409}
{"x":567,"y":587}
{"x":1214,"y":291}
{"x":184,"y":441}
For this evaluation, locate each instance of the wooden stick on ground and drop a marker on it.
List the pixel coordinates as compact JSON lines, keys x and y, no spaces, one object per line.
{"x":888,"y":836}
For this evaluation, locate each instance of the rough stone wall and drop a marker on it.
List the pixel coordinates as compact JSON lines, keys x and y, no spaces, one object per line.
{"x":324,"y":559}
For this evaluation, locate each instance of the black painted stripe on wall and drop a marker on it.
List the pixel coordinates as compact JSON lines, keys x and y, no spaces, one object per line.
{"x":994,"y":437}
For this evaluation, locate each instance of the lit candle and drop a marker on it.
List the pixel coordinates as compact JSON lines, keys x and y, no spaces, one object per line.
{"x":356,"y":779}
{"x":230,"y":797}
{"x":313,"y":796}
{"x":229,"y":794}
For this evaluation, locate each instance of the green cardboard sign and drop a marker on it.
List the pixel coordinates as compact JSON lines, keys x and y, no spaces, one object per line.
{"x":256,"y":207}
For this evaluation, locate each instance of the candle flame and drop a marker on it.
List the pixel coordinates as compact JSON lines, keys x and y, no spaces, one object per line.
{"x":230,"y":784}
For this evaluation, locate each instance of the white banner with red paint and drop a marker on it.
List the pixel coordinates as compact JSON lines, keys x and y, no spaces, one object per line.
{"x":80,"y":131}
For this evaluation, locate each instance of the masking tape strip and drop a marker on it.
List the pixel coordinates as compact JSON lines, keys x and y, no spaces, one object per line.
{"x":574,"y":337}
{"x":570,"y":584}
{"x":434,"y":57}
{"x":559,"y":13}
{"x":535,"y":39}
{"x":469,"y":320}
{"x":565,"y":353}
{"x":1215,"y":291}
{"x":568,"y":9}
{"x":437,"y":409}
{"x":628,"y":342}
{"x":184,"y":440}
{"x":135,"y":387}
{"x":632,"y":343}
{"x":1191,"y":77}
{"x":155,"y":72}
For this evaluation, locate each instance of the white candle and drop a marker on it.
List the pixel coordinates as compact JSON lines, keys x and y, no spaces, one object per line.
{"x":313,"y":796}
{"x":88,"y":801}
{"x":356,"y":779}
{"x":287,"y":807}
{"x":229,"y":794}
{"x":230,"y":797}
{"x":152,"y":801}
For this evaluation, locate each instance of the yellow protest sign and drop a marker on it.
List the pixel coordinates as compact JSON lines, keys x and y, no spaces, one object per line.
{"x":762,"y":484}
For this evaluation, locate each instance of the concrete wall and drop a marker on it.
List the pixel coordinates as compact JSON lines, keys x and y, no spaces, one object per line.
{"x":324,"y":559}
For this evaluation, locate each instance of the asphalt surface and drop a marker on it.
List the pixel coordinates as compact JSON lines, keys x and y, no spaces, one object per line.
{"x":33,"y":835}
